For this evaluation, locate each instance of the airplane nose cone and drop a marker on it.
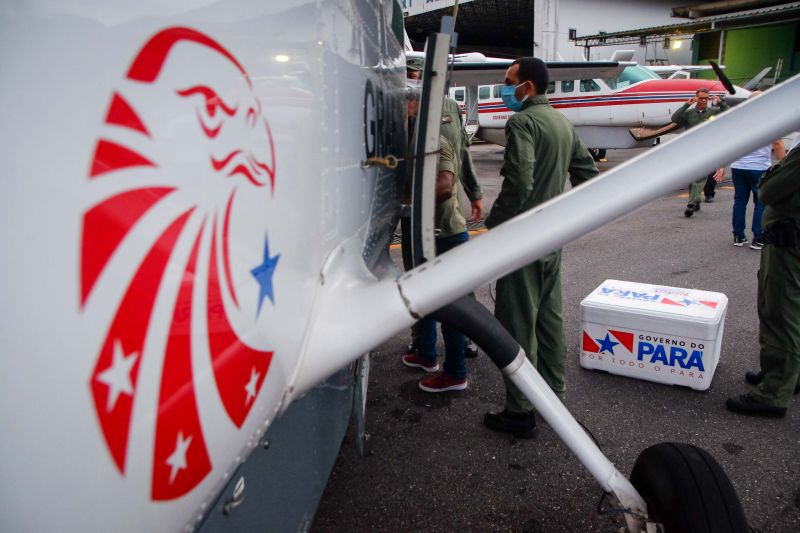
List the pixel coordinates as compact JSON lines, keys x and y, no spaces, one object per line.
{"x":737,"y":97}
{"x":740,"y":94}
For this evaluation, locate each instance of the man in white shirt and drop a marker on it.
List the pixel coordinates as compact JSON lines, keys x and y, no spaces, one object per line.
{"x":746,"y":173}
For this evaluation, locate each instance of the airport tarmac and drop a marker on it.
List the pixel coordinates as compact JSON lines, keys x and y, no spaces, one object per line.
{"x":431,"y":465}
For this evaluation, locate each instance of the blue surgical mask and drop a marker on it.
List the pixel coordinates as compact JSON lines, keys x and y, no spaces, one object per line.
{"x":509,"y":95}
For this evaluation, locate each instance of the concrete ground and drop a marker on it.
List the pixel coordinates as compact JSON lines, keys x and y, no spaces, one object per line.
{"x":431,"y":465}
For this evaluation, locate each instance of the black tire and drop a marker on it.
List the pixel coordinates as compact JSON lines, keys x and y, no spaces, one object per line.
{"x":686,"y":490}
{"x":597,"y":153}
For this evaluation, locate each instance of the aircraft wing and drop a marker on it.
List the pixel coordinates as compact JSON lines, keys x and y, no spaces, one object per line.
{"x":493,"y":72}
{"x":666,"y":71}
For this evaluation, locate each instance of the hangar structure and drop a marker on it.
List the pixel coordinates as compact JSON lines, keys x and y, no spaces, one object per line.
{"x":512,"y":28}
{"x":744,"y":35}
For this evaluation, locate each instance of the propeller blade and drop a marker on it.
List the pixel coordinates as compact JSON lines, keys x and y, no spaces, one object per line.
{"x":723,"y":78}
{"x":755,"y":80}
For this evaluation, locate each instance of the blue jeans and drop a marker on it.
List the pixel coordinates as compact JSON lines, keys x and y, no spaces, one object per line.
{"x":454,"y":362}
{"x":745,"y":182}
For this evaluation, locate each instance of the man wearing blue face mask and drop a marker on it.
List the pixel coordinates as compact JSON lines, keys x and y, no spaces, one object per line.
{"x":541,"y":146}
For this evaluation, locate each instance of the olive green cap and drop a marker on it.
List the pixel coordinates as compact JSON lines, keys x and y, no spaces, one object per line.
{"x":415,"y":63}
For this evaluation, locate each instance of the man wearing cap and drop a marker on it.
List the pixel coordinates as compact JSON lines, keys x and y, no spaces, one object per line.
{"x":451,"y":231}
{"x":688,"y":117}
{"x":541,"y":146}
{"x":453,"y":129}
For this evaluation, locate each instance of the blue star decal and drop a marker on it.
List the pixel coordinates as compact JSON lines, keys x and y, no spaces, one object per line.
{"x":263,"y":274}
{"x":686,"y":301}
{"x":607,"y":345}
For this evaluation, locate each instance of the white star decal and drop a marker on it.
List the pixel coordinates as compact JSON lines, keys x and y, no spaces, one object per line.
{"x":250,"y":388}
{"x":177,"y":461}
{"x":117,"y":377}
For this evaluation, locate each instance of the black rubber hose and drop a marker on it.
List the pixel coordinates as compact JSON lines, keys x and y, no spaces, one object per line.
{"x":472,"y":319}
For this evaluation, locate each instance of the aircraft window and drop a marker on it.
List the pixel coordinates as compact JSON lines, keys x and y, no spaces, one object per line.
{"x":589,"y":86}
{"x":633,"y":74}
{"x":567,"y":86}
{"x":496,"y":91}
{"x":551,"y":87}
{"x":484,"y":92}
{"x":459,"y":95}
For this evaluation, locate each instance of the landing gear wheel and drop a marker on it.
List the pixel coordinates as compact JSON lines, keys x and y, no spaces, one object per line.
{"x":598,"y":153}
{"x":686,"y":490}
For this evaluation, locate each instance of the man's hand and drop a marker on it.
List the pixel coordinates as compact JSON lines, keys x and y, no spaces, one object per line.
{"x":477,"y":210}
{"x":691,"y":100}
{"x":719,"y":174}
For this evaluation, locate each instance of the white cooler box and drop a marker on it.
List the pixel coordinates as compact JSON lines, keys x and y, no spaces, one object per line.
{"x":663,"y":334}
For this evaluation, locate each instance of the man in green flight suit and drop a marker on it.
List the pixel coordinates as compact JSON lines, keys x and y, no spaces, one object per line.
{"x":688,"y":117}
{"x":778,"y":295}
{"x":452,"y":232}
{"x":453,"y":130}
{"x":541,"y":146}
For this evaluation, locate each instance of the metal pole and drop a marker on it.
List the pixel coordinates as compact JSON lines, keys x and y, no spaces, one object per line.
{"x":528,"y":380}
{"x":721,"y":51}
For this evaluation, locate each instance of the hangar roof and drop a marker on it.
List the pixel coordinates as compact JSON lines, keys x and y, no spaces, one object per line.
{"x":707,"y":9}
{"x":498,"y":27}
{"x":785,"y":12}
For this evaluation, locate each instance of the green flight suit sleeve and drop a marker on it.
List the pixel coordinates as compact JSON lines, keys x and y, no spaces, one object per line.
{"x":446,"y":161}
{"x":582,"y":167}
{"x":782,"y":182}
{"x":469,"y":178}
{"x":679,"y":116}
{"x":517,"y":173}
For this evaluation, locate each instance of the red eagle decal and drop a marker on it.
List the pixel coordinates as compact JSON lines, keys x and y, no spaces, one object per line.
{"x":183,"y":247}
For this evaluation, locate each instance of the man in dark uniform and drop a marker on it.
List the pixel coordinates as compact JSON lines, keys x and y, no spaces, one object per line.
{"x":778,"y":295}
{"x":688,"y":117}
{"x":541,"y":146}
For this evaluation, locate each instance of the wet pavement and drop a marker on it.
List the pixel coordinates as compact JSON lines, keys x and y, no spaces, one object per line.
{"x":431,"y":465}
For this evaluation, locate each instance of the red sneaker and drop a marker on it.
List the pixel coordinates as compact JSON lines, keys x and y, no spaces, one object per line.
{"x":415,"y":361}
{"x":442,"y":382}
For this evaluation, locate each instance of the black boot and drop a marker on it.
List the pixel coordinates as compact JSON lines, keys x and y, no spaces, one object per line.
{"x":522,"y":425}
{"x":747,"y":405}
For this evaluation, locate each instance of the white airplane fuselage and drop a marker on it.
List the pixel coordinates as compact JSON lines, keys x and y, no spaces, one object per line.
{"x":176,"y":178}
{"x":600,"y":114}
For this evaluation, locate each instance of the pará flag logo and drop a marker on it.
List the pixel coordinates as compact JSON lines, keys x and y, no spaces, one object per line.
{"x":613,"y":339}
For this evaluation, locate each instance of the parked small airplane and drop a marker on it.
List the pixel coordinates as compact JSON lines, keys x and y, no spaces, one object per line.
{"x":626,"y":110}
{"x":197,"y":217}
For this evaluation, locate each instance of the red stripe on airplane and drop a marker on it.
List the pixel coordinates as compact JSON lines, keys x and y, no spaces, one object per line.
{"x":618,"y":102}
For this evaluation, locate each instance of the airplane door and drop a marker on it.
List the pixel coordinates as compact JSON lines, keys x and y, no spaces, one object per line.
{"x":426,"y":148}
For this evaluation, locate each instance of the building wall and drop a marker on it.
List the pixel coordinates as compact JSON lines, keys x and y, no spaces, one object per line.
{"x":590,"y":18}
{"x":749,"y":50}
